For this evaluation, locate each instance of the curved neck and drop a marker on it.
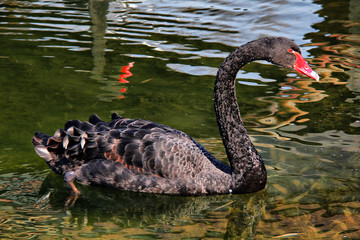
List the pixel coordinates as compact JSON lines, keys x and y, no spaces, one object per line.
{"x":241,"y":153}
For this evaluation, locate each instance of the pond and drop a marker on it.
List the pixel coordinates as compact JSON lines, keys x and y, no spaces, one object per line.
{"x":157,"y":60}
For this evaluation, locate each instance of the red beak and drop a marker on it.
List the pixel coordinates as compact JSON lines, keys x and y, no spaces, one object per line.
{"x":302,"y":66}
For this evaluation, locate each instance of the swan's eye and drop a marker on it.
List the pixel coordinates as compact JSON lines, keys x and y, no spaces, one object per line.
{"x":290,"y":50}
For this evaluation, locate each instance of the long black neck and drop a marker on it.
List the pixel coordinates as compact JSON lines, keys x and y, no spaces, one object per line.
{"x":245,"y":161}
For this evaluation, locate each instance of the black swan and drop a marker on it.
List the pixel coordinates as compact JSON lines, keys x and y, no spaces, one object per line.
{"x":143,"y":156}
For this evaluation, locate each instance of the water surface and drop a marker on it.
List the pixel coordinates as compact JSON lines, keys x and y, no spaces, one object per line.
{"x":62,"y":60}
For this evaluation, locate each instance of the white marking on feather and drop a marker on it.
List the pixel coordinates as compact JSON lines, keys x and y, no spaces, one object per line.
{"x":70,"y":131}
{"x":57,"y":133}
{"x":83,"y":137}
{"x":65,"y":142}
{"x":82,"y":142}
{"x":43,"y":152}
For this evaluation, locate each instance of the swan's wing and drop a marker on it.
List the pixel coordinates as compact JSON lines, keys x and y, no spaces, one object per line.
{"x":145,"y":147}
{"x":141,"y":146}
{"x":132,"y":154}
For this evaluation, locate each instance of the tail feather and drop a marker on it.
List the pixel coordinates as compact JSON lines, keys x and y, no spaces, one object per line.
{"x":39,"y":142}
{"x":115,"y":116}
{"x":76,"y":144}
{"x":60,"y":133}
{"x":40,"y":138}
{"x":72,"y":123}
{"x":70,"y":148}
{"x":94,"y":119}
{"x":44,"y":153}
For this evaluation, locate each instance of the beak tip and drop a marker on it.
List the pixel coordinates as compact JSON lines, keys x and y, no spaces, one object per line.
{"x":302,"y":66}
{"x":314,"y":75}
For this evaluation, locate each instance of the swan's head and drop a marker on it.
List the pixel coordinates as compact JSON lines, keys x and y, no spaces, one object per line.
{"x":286,"y":53}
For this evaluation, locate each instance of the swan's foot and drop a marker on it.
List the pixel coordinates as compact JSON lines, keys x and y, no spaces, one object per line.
{"x":70,"y":201}
{"x":69,"y":179}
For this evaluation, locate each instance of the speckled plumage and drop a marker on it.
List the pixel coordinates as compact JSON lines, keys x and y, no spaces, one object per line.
{"x":139,"y":155}
{"x":134,"y":154}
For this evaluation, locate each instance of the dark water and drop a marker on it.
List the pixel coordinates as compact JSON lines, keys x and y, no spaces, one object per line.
{"x":62,"y":60}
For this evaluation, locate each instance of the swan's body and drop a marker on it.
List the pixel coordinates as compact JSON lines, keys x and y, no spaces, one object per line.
{"x":139,"y":155}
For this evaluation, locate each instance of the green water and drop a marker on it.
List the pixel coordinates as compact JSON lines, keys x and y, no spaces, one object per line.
{"x":61,"y":60}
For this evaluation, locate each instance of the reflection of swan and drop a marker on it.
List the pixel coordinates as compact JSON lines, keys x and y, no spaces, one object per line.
{"x":122,"y":78}
{"x":238,"y":215}
{"x":97,"y":11}
{"x":140,"y":155}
